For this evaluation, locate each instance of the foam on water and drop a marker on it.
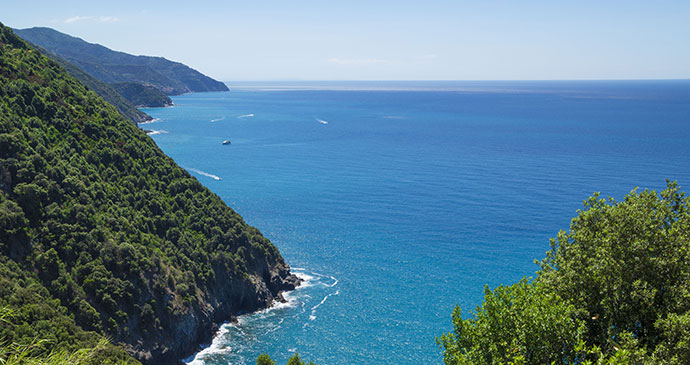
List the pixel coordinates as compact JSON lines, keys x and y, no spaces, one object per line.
{"x":216,"y":347}
{"x":154,"y":120}
{"x":312,"y":316}
{"x":246,"y":327}
{"x":307,"y":280}
{"x":153,"y":133}
{"x":414,"y":215}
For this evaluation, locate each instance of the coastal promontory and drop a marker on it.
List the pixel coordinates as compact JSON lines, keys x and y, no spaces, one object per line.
{"x":103,"y":235}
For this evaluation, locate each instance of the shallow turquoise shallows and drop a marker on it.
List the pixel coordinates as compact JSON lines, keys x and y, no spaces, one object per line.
{"x":396,"y":201}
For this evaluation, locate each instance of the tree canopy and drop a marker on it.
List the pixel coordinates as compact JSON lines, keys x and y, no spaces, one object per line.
{"x":615,"y":288}
{"x":103,"y":234}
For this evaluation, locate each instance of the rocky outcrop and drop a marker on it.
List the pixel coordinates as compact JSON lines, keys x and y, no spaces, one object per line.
{"x":182,"y":334}
{"x":102,"y":234}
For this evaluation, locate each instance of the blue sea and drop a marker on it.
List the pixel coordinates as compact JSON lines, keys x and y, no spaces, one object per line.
{"x":395,"y":201}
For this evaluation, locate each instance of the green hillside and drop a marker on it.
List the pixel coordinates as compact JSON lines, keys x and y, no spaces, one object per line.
{"x":111,"y":67}
{"x":142,"y":95}
{"x":102,"y":234}
{"x":105,"y":91}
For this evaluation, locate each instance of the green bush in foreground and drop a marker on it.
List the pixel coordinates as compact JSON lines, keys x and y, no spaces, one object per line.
{"x":49,"y":352}
{"x":264,"y":359}
{"x":614,"y":289}
{"x":517,"y":323}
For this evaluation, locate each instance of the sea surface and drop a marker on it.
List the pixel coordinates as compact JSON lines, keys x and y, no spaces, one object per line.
{"x":395,"y":201}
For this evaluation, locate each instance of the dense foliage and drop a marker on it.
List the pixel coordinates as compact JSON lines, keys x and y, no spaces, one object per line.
{"x":43,"y":351}
{"x":614,"y":289}
{"x":264,"y":359}
{"x":142,"y":95}
{"x":110,"y":66}
{"x":105,"y":91}
{"x":99,"y":230}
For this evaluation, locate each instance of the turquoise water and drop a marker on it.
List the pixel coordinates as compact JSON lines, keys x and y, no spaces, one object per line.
{"x":397,"y":201}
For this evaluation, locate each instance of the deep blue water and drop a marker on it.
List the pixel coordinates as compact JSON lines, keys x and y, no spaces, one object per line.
{"x":413,"y":195}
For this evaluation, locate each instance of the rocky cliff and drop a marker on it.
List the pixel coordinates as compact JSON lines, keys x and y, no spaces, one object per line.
{"x":102,"y":233}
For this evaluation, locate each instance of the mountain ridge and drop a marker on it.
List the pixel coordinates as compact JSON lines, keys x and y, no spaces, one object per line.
{"x":104,"y":90}
{"x":112,"y":66}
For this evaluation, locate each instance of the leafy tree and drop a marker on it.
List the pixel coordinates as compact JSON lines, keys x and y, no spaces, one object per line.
{"x":295,"y":360}
{"x":264,"y":359}
{"x":520,"y":323}
{"x":625,"y":266}
{"x":614,"y":289}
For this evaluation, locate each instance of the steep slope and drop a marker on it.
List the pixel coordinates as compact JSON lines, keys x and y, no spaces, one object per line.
{"x":110,"y":66}
{"x":107,"y":92}
{"x":142,"y":95}
{"x":99,"y":225}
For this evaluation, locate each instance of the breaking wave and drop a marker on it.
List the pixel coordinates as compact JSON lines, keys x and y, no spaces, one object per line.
{"x":153,"y":133}
{"x":234,"y":340}
{"x":154,"y":120}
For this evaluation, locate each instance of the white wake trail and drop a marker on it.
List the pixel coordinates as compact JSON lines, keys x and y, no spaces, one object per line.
{"x":214,"y":177}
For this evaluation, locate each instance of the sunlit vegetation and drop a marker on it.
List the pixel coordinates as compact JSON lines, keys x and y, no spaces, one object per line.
{"x":105,"y":91}
{"x":111,"y":67}
{"x":615,"y":289}
{"x":264,"y":359}
{"x":100,"y":232}
{"x":142,"y":95}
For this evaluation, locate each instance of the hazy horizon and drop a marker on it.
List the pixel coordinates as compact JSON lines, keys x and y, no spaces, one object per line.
{"x":386,"y":40}
{"x":449,"y":80}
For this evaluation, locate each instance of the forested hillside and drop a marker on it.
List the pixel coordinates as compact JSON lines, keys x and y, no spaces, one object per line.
{"x":111,"y":67}
{"x":105,"y":91}
{"x":102,"y":234}
{"x":142,"y":95}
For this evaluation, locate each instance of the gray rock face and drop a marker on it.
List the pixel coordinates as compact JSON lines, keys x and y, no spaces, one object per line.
{"x":182,"y":334}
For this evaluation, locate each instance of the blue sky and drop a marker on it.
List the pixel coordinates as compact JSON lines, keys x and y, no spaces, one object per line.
{"x":385,"y":40}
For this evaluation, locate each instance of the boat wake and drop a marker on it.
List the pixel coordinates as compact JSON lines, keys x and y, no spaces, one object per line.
{"x":321,"y":121}
{"x":214,"y":177}
{"x":217,"y":120}
{"x":246,"y":115}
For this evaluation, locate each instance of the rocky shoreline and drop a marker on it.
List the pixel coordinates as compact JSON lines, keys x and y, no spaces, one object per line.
{"x":187,"y":333}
